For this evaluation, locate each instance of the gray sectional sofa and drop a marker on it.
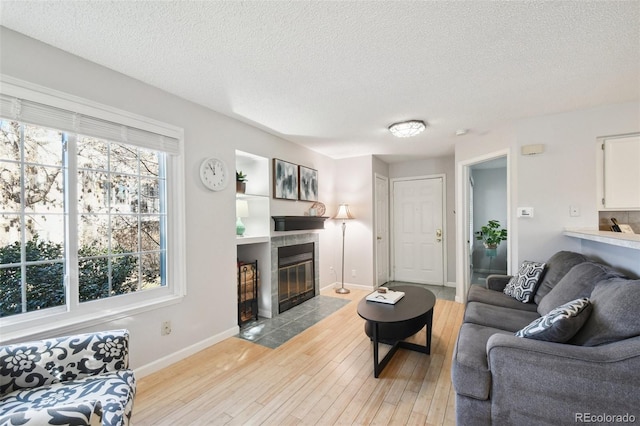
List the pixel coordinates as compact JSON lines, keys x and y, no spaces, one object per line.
{"x":584,"y":368}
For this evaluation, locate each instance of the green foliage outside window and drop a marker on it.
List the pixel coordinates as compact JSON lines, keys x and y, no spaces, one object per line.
{"x":45,"y":281}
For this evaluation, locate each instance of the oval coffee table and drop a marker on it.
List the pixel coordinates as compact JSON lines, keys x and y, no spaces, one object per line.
{"x":393,"y":323}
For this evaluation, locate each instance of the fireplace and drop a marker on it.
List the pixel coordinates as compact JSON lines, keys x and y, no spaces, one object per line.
{"x":296,"y":275}
{"x":269,"y":301}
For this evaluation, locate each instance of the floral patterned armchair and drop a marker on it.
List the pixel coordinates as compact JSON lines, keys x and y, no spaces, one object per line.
{"x":81,"y":379}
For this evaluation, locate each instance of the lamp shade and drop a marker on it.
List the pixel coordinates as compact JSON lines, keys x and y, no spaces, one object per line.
{"x":343,"y":212}
{"x":242,"y":208}
{"x":407,"y":129}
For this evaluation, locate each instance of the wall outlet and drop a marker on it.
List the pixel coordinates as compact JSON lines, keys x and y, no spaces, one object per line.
{"x":574,"y":211}
{"x":353,"y":273}
{"x":165,"y":328}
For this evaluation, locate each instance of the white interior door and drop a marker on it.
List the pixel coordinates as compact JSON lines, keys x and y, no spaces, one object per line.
{"x":382,"y":230}
{"x":418,"y":231}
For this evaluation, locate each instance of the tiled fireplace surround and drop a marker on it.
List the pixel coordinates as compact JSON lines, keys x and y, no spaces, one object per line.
{"x":291,"y":239}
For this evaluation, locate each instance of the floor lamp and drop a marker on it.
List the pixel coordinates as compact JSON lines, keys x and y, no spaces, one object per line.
{"x":344,"y":214}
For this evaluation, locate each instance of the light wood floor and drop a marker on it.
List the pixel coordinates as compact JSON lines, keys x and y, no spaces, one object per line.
{"x":322,"y":376}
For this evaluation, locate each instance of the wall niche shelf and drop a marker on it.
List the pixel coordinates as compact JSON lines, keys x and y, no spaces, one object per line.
{"x":255,"y":244}
{"x":240,"y":241}
{"x":257,"y":224}
{"x":606,"y":237}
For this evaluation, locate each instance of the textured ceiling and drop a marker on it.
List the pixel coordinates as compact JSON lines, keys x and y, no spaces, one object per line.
{"x":333,"y":75}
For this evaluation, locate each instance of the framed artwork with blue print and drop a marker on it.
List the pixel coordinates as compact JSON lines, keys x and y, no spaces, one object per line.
{"x":285,"y":180}
{"x":308,"y":184}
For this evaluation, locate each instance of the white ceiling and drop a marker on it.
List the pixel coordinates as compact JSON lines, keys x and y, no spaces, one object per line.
{"x":333,"y":75}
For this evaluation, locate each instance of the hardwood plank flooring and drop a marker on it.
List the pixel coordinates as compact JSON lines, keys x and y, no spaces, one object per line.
{"x":322,"y":376}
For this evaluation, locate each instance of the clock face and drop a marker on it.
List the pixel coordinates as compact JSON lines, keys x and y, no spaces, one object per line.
{"x":214,"y":174}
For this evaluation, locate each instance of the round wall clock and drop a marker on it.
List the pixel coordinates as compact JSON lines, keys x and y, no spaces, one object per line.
{"x":214,"y":174}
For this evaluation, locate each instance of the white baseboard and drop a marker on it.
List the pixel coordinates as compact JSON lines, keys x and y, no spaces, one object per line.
{"x":166,"y":361}
{"x":450,"y":284}
{"x":347,"y":285}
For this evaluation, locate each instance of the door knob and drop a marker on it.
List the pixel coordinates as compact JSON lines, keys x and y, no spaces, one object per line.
{"x":379,"y":238}
{"x":438,"y":235}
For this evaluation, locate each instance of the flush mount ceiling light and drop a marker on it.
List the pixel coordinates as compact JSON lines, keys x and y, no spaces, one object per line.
{"x":405,"y":129}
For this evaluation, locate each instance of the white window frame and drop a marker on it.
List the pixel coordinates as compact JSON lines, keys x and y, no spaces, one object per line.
{"x":71,"y":317}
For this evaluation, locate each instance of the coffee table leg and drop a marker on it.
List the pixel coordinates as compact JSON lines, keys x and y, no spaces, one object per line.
{"x":376,"y":372}
{"x":428,"y":329}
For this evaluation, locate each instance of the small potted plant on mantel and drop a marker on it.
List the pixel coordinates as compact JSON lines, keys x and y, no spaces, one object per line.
{"x":491,"y":235}
{"x":241,"y":182}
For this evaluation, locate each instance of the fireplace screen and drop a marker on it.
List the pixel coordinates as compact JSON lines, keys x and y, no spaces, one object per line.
{"x":295,"y":275}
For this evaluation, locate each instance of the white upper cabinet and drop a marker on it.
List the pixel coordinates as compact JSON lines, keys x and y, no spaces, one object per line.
{"x":619,"y":165}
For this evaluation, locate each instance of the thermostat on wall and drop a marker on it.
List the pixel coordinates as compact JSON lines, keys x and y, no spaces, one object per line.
{"x":525,"y":211}
{"x":532,"y":149}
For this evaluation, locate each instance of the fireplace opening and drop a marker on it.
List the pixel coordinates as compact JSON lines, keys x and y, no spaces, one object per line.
{"x":296,"y":272}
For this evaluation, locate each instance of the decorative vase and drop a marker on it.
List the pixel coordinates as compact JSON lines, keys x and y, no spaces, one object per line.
{"x":491,"y":250}
{"x":240,"y":228}
{"x":241,"y":187}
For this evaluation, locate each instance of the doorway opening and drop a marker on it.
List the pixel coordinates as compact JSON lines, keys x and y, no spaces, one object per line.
{"x":472,"y":262}
{"x":487,"y":202}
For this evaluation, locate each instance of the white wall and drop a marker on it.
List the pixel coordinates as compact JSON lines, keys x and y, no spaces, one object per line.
{"x":433,"y":166}
{"x":208,"y":311}
{"x":354,"y":185}
{"x":564,"y":175}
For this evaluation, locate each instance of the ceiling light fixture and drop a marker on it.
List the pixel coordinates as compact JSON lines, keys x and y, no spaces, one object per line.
{"x":405,"y":129}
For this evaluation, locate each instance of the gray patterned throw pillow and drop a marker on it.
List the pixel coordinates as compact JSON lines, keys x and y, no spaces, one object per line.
{"x":522,"y":286}
{"x":559,"y":325}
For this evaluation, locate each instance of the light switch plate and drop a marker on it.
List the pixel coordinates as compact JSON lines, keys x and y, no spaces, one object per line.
{"x":525,"y":211}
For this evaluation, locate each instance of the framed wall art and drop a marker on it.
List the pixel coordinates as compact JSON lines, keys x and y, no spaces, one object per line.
{"x":308,"y":184}
{"x":285,"y":180}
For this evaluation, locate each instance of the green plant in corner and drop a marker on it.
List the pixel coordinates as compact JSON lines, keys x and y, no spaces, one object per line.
{"x":492,"y":234}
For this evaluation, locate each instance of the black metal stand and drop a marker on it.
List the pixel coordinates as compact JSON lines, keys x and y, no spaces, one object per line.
{"x":426,"y":349}
{"x":247,"y":292}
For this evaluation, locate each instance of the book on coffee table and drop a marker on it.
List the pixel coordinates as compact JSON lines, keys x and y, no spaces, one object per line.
{"x":390,"y":297}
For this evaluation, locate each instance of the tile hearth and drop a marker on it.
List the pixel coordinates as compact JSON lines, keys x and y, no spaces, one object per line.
{"x":273,"y":332}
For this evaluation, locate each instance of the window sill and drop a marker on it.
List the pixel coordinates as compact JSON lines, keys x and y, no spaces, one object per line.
{"x":63,"y":324}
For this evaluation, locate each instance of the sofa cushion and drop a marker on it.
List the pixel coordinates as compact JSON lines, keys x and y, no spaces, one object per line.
{"x":523,"y":284}
{"x":579,"y":282}
{"x":477,"y":293}
{"x":559,"y":325}
{"x":615,"y":313}
{"x":557,"y":267}
{"x":498,"y":316}
{"x":470,"y":373}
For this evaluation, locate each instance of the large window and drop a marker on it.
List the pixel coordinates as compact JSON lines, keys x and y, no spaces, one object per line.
{"x":84,"y":211}
{"x":32,"y":249}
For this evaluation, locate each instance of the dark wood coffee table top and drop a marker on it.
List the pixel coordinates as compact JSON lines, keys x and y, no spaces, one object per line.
{"x":415,"y":303}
